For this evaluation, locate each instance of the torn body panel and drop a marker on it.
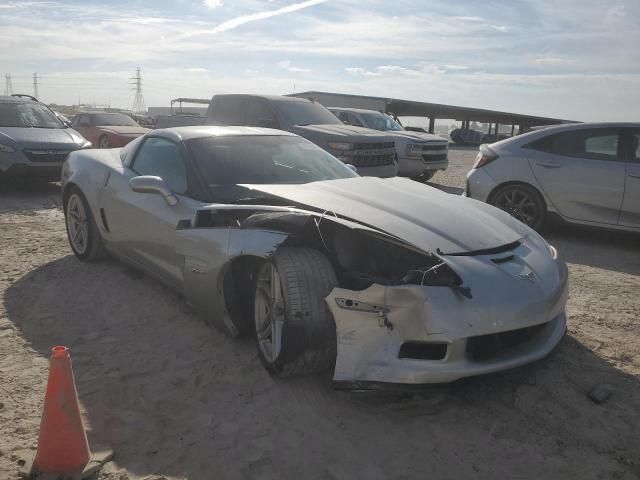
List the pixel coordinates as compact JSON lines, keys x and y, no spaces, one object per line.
{"x":208,"y":254}
{"x":221,"y":234}
{"x":430,"y":334}
{"x":372,"y":346}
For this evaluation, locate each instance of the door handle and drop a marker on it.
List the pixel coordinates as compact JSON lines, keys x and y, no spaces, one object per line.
{"x":548,"y":165}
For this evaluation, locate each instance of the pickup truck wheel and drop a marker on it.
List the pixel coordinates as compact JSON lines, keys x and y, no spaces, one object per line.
{"x":84,"y":237}
{"x":295,"y":332}
{"x":424,"y":176}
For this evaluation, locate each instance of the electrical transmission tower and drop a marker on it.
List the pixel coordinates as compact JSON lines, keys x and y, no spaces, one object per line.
{"x":8,"y":87}
{"x":138,"y":100}
{"x":35,"y":85}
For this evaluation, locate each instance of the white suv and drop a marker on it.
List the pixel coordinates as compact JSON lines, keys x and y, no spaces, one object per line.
{"x":420,"y":155}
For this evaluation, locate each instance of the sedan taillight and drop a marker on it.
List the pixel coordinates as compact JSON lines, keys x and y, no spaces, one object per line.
{"x":484,"y":157}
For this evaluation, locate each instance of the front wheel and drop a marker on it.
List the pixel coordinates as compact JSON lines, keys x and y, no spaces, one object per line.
{"x":104,"y":142}
{"x":522,"y":202}
{"x":295,"y":332}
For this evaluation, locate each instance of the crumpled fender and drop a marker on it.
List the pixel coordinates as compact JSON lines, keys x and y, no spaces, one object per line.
{"x":375,"y":326}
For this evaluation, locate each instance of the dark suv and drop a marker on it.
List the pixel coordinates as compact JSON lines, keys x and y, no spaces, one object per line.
{"x":371,"y":152}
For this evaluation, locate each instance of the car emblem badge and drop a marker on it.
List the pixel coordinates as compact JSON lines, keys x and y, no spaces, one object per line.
{"x":527,"y":276}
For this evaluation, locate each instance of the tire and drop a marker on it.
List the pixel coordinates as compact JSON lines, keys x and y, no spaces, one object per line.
{"x":81,"y":224}
{"x":295,"y":332}
{"x":521,"y":202}
{"x":104,"y":142}
{"x":424,"y":176}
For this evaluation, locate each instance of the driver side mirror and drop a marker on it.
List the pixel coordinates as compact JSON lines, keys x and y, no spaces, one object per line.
{"x":155,"y":185}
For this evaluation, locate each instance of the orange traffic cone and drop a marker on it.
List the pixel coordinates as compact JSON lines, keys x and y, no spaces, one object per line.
{"x":62,"y":444}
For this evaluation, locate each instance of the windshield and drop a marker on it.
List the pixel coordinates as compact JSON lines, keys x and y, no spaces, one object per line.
{"x":113,"y":119}
{"x":27,"y":115}
{"x":226,"y":162}
{"x":380,"y":121}
{"x":305,"y":113}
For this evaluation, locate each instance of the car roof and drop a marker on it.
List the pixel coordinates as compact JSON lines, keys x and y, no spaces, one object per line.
{"x":11,"y":99}
{"x":103,"y":113}
{"x":202,"y":131}
{"x":357,"y":110}
{"x":583,"y":125}
{"x":270,"y":98}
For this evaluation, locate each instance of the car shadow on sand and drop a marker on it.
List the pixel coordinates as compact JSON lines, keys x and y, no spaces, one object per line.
{"x":24,"y":194}
{"x":175,"y":398}
{"x":610,"y":250}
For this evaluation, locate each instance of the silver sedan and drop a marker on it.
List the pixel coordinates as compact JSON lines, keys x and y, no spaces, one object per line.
{"x":587,"y":173}
{"x":383,"y":280}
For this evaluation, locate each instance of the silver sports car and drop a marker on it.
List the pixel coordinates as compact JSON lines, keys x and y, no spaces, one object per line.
{"x":387,"y":280}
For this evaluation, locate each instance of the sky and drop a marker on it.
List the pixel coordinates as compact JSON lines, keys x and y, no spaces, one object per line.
{"x":572,"y":59}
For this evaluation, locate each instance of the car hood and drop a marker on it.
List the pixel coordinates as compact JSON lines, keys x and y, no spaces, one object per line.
{"x":418,"y":136}
{"x":39,"y":137}
{"x":123,"y":130}
{"x":422,"y":216}
{"x":342,"y":131}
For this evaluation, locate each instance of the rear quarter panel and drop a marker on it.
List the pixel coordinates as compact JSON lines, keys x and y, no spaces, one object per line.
{"x":513,"y":165}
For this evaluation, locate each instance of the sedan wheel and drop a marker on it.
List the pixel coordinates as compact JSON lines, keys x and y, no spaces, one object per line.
{"x":104,"y":142}
{"x":523,"y":203}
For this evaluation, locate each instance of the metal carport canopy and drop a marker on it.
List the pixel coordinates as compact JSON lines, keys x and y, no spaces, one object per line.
{"x":407,"y":108}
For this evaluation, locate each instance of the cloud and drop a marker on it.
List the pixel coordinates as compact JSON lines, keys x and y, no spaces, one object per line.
{"x":197,"y":70}
{"x":213,"y":3}
{"x":254,"y":17}
{"x":286,"y":64}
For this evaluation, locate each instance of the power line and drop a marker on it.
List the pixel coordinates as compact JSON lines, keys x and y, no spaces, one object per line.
{"x":8,"y":87}
{"x":138,"y":100}
{"x":35,"y":85}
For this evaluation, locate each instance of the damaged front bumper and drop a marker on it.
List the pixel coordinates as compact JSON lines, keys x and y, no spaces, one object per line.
{"x":414,"y":334}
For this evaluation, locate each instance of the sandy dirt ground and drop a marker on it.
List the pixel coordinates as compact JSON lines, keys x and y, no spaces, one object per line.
{"x":176,"y":399}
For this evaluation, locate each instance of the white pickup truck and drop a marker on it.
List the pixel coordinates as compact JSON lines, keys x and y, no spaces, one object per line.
{"x":420,"y":155}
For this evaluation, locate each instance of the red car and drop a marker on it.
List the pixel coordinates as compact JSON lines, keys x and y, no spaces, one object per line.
{"x":107,"y":130}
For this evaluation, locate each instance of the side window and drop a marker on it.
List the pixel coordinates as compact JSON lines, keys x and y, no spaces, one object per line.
{"x":343,"y":117}
{"x":228,"y":110}
{"x":258,"y":115}
{"x":635,"y":146}
{"x":354,"y":120}
{"x":163,"y":159}
{"x":593,"y":144}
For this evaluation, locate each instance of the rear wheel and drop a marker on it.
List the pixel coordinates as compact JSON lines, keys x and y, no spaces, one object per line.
{"x":83,"y":234}
{"x":104,"y":142}
{"x":424,"y":176}
{"x":522,"y":202}
{"x":295,"y":332}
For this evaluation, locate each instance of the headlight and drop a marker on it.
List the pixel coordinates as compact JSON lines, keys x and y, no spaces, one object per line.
{"x":6,"y":148}
{"x":414,"y":149}
{"x":85,"y":144}
{"x":341,"y":145}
